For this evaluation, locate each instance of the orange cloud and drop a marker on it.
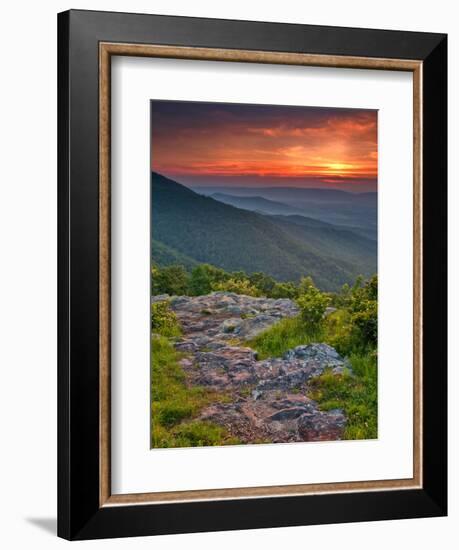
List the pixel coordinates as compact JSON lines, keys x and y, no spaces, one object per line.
{"x":282,"y":142}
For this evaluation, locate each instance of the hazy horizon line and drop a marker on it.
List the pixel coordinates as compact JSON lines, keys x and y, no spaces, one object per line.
{"x":343,"y":187}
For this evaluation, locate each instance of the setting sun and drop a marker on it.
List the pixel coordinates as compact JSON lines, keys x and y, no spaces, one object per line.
{"x":233,"y":144}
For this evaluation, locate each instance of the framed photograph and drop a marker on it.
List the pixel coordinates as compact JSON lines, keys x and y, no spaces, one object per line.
{"x":252,"y":275}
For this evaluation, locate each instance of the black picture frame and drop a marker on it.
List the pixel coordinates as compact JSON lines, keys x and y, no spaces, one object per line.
{"x":80,"y":515}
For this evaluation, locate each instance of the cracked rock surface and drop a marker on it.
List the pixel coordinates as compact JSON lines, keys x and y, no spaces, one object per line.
{"x":268,"y":397}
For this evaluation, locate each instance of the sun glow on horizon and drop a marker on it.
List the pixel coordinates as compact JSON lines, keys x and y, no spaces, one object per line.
{"x":237,"y":141}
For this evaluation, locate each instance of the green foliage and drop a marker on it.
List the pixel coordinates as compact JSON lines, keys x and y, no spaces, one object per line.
{"x":200,"y":434}
{"x":241,"y":286}
{"x":312,"y":303}
{"x":341,"y":299}
{"x":171,"y":413}
{"x":339,"y":333}
{"x":203,"y":277}
{"x":171,"y":280}
{"x":284,"y":290}
{"x":173,"y":403}
{"x":361,"y":299}
{"x":263,"y":282}
{"x":356,"y":394}
{"x":163,"y":320}
{"x":364,"y":312}
{"x":194,"y":433}
{"x":357,"y":284}
{"x":365,"y":320}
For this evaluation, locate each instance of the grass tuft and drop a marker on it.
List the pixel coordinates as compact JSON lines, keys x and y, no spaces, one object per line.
{"x":356,"y":394}
{"x":174,"y":403}
{"x":284,"y":335}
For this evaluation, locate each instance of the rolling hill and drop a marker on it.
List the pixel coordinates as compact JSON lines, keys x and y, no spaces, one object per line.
{"x":335,"y":242}
{"x":197,"y":228}
{"x":289,"y":194}
{"x":357,"y":211}
{"x":256,"y":204}
{"x":164,"y":255}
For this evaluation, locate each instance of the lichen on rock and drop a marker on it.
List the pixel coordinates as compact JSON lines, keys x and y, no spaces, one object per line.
{"x":268,"y":401}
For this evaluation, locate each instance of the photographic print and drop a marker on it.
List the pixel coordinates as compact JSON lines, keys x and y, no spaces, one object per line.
{"x":263,"y":274}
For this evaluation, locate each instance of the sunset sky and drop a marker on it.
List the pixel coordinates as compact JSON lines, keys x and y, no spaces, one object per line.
{"x":221,"y":144}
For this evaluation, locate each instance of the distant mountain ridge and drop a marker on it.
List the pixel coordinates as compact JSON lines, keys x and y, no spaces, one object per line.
{"x":256,"y":204}
{"x":196,"y":228}
{"x":357,"y":211}
{"x":315,"y":193}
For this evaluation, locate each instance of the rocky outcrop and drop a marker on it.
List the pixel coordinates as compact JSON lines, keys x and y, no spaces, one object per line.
{"x":268,"y":401}
{"x":221,"y":316}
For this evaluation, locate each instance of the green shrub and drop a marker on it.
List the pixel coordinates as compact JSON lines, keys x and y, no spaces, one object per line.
{"x":202,"y":278}
{"x":172,"y":280}
{"x":364,"y":312}
{"x":163,"y":320}
{"x":264,"y":283}
{"x":241,"y":286}
{"x":312,"y":303}
{"x":339,"y":332}
{"x":284,"y":290}
{"x":365,"y":321}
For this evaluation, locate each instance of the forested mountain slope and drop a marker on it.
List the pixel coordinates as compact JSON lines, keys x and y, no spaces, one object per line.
{"x":194,"y":228}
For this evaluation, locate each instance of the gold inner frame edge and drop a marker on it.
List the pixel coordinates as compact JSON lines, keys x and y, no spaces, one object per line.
{"x":106,"y":51}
